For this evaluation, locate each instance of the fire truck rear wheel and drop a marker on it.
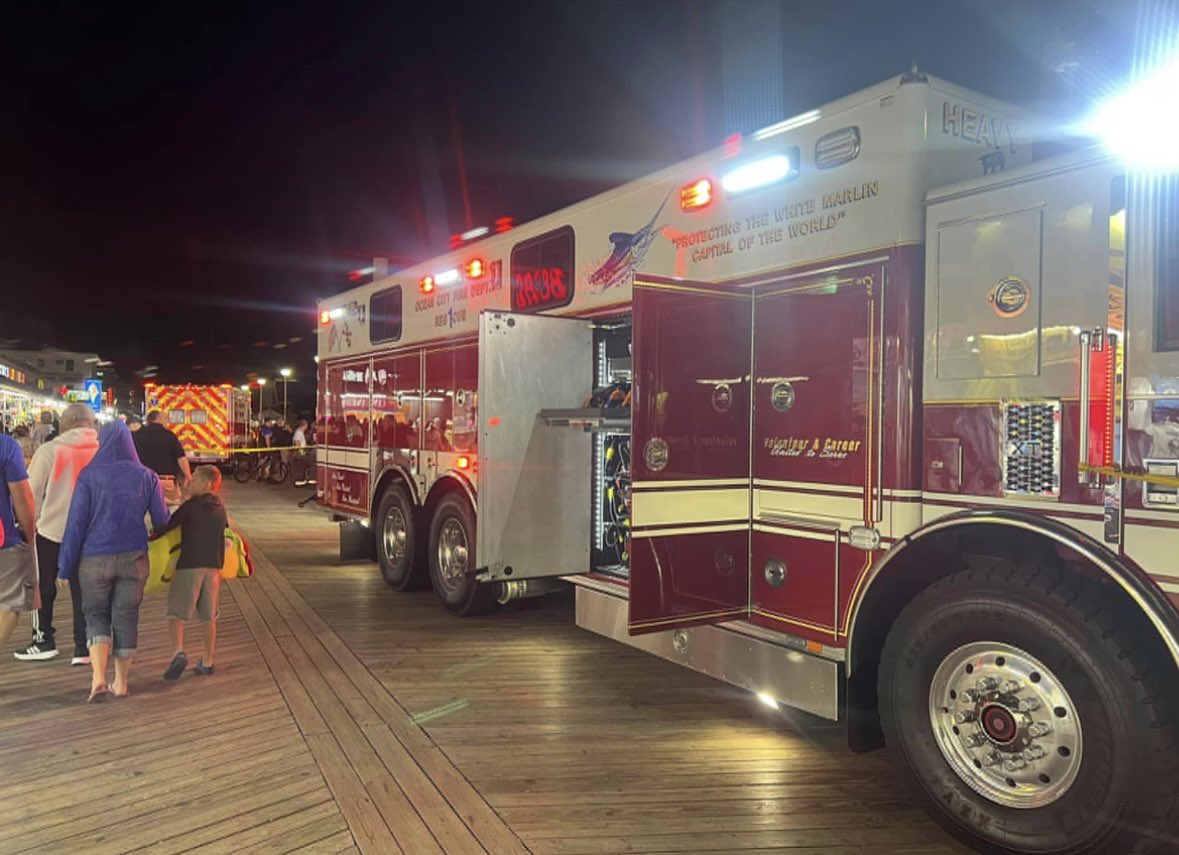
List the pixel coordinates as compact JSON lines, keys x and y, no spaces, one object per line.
{"x":452,"y":557}
{"x":394,"y":531}
{"x":1033,"y":714}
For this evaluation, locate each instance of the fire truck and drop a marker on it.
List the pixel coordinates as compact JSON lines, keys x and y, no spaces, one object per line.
{"x":209,"y":421}
{"x":870,"y":413}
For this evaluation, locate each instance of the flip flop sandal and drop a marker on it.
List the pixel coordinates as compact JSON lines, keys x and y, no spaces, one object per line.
{"x":117,"y":695}
{"x":177,"y":666}
{"x":98,"y":695}
{"x":202,"y":669}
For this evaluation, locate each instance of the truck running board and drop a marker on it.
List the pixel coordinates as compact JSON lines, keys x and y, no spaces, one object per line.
{"x":789,"y":677}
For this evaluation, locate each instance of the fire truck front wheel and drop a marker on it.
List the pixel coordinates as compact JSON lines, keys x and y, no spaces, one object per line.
{"x":394,"y":531}
{"x":452,"y":556}
{"x":1034,"y":714}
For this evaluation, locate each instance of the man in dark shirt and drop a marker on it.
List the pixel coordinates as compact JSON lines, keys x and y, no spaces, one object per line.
{"x":160,"y":450}
{"x":196,"y":587}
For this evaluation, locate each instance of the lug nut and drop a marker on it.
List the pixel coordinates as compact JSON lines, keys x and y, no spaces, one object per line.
{"x":1015,"y":764}
{"x":1039,"y":728}
{"x":1029,"y":704}
{"x":971,"y":695}
{"x":964,"y":717}
{"x":974,"y":740}
{"x":993,"y":758}
{"x":987,"y":684}
{"x":1033,"y":752}
{"x":1010,"y":687}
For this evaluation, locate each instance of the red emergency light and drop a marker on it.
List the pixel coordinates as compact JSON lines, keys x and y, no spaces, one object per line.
{"x":427,"y":285}
{"x":463,"y":462}
{"x":503,"y":224}
{"x":696,"y":196}
{"x":475,"y":269}
{"x":325,"y":317}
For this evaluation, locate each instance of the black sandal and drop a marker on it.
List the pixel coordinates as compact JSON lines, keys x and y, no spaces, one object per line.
{"x":177,"y":666}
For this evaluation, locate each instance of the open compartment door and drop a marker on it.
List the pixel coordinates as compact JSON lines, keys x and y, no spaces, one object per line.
{"x":690,"y":455}
{"x":534,"y":480}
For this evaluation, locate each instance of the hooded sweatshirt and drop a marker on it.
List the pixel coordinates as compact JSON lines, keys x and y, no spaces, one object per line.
{"x":53,"y":471}
{"x":111,"y":497}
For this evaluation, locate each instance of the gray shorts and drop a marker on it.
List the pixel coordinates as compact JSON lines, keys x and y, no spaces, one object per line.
{"x":194,"y":592}
{"x":18,"y":579}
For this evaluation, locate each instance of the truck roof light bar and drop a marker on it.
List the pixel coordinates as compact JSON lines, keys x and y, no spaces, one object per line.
{"x":760,"y":173}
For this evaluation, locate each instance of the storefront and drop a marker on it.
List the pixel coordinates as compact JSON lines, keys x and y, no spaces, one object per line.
{"x":23,"y":398}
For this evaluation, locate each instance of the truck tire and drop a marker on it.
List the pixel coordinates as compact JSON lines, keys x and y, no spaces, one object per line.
{"x":394,"y":531}
{"x":452,"y":556}
{"x":1033,"y":715}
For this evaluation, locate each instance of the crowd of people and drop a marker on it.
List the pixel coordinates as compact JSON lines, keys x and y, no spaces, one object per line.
{"x":77,"y":517}
{"x":292,"y":447}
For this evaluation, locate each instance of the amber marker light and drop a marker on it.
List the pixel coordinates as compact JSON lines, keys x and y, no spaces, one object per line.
{"x":696,"y":196}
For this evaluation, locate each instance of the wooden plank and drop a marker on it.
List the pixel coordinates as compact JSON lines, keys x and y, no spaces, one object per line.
{"x":482,"y":821}
{"x":364,"y":820}
{"x":410,"y":831}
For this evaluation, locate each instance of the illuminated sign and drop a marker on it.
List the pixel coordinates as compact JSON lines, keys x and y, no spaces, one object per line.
{"x":542,"y":271}
{"x":13,"y":374}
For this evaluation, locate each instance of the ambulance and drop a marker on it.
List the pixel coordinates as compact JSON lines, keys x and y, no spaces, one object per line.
{"x":209,"y":421}
{"x":871,"y":413}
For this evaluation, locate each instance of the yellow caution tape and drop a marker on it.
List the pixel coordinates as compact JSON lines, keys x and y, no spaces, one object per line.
{"x":1145,"y":477}
{"x":248,"y":450}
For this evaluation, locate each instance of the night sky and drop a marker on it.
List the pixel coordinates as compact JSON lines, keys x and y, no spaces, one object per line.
{"x":201,"y":172}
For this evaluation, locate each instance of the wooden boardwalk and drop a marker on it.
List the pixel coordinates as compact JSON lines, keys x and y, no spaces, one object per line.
{"x":345,"y":717}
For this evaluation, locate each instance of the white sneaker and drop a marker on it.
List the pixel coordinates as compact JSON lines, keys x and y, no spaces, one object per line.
{"x":80,"y":660}
{"x":35,"y":652}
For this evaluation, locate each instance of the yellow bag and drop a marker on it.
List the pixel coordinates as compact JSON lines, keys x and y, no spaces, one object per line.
{"x":164,"y":552}
{"x":162,"y":555}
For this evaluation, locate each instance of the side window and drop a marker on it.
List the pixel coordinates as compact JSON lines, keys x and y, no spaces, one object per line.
{"x":384,"y":315}
{"x":542,"y":271}
{"x":1166,"y":304}
{"x":198,"y":417}
{"x":175,"y":417}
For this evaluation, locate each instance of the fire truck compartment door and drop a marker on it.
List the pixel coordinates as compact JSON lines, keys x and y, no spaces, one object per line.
{"x":534,"y":480}
{"x":690,"y":455}
{"x":818,"y":402}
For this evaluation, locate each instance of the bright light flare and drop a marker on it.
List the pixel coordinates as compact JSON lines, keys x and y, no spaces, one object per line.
{"x":768,"y":700}
{"x":475,"y":268}
{"x":475,"y":233}
{"x":757,"y":173}
{"x":448,"y":277}
{"x":1138,"y":125}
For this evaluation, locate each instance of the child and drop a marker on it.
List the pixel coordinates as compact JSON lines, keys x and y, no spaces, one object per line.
{"x":197,"y":583}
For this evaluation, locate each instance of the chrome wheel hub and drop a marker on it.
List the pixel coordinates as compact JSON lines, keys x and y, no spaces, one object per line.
{"x":1005,"y":724}
{"x":452,"y":554}
{"x":394,"y":535}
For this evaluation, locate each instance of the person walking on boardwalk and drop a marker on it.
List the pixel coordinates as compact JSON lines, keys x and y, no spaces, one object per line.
{"x":196,"y":586}
{"x":52,"y":474}
{"x":160,"y":451}
{"x":105,"y":544}
{"x":44,"y":431}
{"x":18,"y":566}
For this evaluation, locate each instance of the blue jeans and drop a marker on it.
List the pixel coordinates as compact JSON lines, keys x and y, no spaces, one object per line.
{"x":112,"y":589}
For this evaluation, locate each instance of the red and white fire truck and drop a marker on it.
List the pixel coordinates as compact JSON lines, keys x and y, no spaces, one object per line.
{"x":209,"y":421}
{"x":903,"y":446}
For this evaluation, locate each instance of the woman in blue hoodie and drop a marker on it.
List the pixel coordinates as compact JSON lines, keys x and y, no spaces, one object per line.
{"x":105,"y":543}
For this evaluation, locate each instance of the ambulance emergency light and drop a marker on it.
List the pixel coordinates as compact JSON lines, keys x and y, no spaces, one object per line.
{"x":761,"y":173}
{"x":1140,"y":124}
